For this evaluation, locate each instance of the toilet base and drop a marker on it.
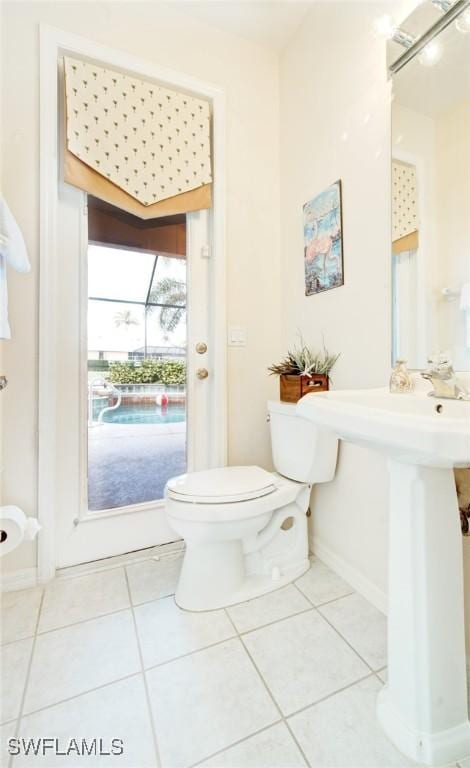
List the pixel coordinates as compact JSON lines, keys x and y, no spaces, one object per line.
{"x":229,"y":561}
{"x":252,"y":587}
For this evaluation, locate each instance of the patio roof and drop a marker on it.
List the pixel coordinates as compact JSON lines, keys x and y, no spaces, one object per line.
{"x":130,"y":277}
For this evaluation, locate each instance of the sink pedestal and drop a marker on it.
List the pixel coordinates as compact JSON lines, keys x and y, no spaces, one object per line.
{"x":423,"y":707}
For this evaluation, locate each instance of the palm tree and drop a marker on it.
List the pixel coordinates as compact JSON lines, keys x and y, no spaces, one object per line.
{"x":172,"y":293}
{"x":125,"y":318}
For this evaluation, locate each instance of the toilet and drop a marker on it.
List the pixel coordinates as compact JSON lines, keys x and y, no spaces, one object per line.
{"x":245,"y":529}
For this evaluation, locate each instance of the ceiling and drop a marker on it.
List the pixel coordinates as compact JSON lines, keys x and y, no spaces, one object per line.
{"x":269,"y":23}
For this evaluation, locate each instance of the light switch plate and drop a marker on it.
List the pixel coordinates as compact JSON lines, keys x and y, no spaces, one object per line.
{"x":236,"y":336}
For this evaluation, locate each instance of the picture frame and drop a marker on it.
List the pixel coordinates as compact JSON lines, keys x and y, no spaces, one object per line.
{"x":323,"y":240}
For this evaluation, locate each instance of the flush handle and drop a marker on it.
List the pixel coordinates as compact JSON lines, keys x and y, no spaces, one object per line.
{"x":201,"y":348}
{"x":202,"y":373}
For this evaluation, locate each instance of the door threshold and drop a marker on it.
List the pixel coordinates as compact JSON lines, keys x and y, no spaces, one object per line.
{"x":173,"y":549}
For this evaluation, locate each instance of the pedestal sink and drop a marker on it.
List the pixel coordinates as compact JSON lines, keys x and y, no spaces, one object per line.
{"x":423,"y":708}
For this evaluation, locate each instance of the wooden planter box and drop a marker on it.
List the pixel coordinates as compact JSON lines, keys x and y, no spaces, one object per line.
{"x":295,"y":387}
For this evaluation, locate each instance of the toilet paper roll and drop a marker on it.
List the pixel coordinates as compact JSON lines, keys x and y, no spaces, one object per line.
{"x":15,"y":528}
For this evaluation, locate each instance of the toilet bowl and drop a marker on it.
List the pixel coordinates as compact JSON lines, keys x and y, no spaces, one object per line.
{"x":245,"y":529}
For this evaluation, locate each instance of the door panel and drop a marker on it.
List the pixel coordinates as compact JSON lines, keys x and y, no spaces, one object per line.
{"x":84,"y":535}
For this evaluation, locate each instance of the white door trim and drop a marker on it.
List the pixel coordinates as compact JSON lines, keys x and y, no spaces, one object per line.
{"x":54,"y":42}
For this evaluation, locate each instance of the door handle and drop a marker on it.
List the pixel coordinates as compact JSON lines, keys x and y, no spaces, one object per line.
{"x":201,"y":347}
{"x":202,"y":373}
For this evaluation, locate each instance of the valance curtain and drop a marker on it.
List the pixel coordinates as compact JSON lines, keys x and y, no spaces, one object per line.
{"x":404,"y":207}
{"x":141,"y":147}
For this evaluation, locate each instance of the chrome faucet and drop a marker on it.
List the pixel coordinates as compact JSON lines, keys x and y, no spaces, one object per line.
{"x":444,"y":380}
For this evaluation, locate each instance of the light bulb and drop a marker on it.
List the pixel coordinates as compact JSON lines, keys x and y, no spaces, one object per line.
{"x":385,"y":27}
{"x":430,"y":54}
{"x":463,"y":22}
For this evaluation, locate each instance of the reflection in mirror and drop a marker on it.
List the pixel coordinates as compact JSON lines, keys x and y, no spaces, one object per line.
{"x":431,"y":203}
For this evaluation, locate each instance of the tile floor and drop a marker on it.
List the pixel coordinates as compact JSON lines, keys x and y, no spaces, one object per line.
{"x":287,"y":680}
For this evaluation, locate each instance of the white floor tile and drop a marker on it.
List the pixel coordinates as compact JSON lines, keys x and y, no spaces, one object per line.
{"x":152,"y":579}
{"x":343,"y":731}
{"x":19,"y":614}
{"x":272,"y":748}
{"x":271,"y":607}
{"x":67,"y":601}
{"x":302,"y":659}
{"x":117,"y":711}
{"x":14,"y":661}
{"x":320,"y":584}
{"x":166,"y":632}
{"x":205,"y":702}
{"x":362,"y":625}
{"x":7,"y":732}
{"x":76,"y":659}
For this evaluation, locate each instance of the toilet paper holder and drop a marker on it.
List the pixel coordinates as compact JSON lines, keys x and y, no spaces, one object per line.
{"x":28,"y":528}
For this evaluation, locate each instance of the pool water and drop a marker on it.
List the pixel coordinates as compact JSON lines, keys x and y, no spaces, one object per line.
{"x":138,"y":413}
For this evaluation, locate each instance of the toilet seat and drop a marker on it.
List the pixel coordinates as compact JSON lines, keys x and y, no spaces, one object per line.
{"x":223,"y":485}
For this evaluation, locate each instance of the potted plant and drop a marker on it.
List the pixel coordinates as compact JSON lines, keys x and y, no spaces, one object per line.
{"x":303,"y":371}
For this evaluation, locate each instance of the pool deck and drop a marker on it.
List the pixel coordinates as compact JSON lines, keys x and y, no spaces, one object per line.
{"x":130,"y":463}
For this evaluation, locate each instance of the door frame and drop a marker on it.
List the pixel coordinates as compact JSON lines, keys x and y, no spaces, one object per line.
{"x":54,"y":43}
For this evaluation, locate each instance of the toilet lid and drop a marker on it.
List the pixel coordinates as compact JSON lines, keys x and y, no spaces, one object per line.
{"x":223,"y":485}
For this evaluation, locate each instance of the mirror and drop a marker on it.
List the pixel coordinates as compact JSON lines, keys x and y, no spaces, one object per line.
{"x":431,"y":201}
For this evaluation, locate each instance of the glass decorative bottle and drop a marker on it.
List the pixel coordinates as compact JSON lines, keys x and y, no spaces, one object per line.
{"x":401,"y":380}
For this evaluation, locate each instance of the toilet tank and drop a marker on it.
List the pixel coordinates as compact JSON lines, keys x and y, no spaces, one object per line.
{"x":301,"y":451}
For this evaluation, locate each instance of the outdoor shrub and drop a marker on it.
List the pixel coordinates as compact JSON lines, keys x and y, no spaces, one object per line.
{"x":148,"y":372}
{"x":98,"y":365}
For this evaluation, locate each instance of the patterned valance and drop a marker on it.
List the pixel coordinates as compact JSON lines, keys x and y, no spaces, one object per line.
{"x":149,"y":142}
{"x":404,"y":200}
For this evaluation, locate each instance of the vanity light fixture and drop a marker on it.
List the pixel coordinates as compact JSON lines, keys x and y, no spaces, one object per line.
{"x":386,"y":27}
{"x":443,"y":5}
{"x":462,"y":22}
{"x":430,"y":54}
{"x":425,"y":47}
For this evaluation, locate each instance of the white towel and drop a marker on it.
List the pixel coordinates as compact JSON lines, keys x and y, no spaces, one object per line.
{"x":12,"y":252}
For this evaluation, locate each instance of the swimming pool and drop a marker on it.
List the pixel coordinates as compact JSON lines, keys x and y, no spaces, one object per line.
{"x":139,"y":413}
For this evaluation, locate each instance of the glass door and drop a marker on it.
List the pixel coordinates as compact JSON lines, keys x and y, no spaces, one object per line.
{"x":137,"y":341}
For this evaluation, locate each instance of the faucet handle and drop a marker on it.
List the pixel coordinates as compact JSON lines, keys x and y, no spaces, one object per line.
{"x":441,"y":365}
{"x":439,"y":359}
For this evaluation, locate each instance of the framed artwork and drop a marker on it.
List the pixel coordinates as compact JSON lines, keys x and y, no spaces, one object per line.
{"x":323,"y":241}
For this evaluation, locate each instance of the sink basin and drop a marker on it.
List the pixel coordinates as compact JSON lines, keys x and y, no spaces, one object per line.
{"x":413,"y":428}
{"x":423,"y":707}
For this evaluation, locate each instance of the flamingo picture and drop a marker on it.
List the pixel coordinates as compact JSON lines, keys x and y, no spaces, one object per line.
{"x":323,"y":256}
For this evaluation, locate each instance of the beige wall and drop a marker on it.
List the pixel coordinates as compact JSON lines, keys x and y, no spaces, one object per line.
{"x":249,"y":75}
{"x":335,"y":124}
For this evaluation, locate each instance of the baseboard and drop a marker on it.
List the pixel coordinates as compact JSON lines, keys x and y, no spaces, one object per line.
{"x":352,"y":575}
{"x":14,"y":580}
